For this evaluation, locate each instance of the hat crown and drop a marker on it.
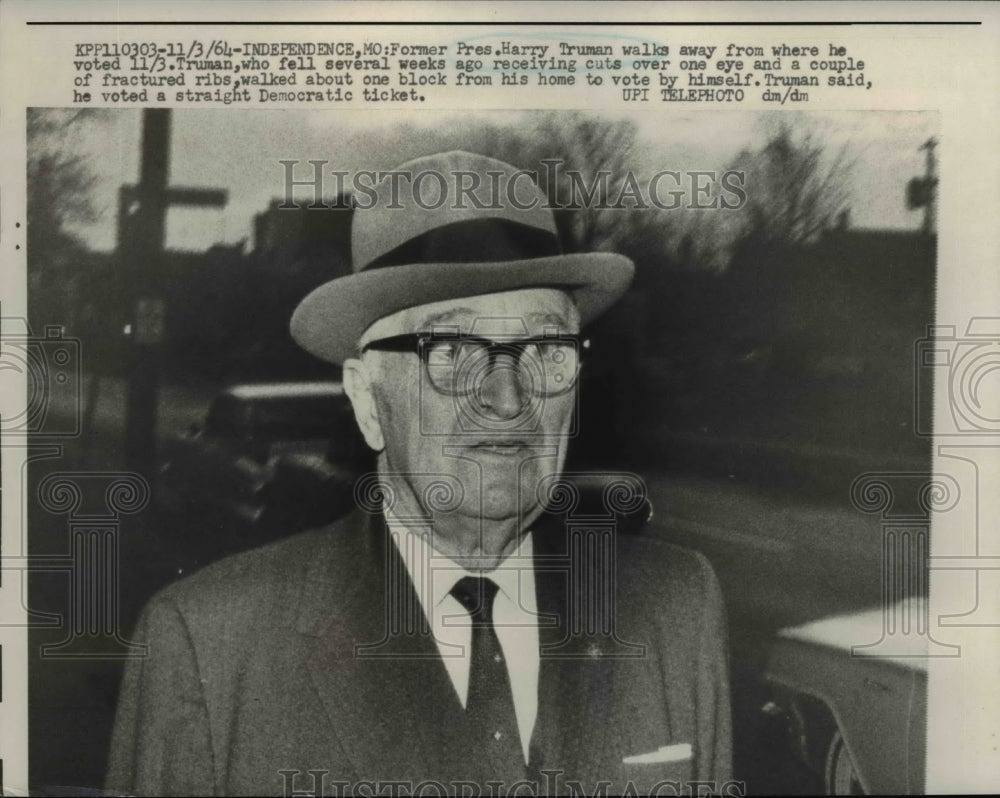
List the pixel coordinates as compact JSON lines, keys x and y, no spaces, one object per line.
{"x":435,"y":191}
{"x":495,"y":231}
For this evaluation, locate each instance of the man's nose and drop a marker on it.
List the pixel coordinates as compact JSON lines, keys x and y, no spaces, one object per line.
{"x":502,"y":393}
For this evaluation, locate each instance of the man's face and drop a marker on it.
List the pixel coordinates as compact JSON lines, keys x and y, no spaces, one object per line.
{"x":487,"y":427}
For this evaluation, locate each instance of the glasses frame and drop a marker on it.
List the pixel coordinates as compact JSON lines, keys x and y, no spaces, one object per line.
{"x":419,"y":343}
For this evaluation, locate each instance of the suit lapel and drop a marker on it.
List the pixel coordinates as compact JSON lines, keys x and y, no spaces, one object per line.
{"x":375,"y":665}
{"x":593,"y":684}
{"x":575,"y":703}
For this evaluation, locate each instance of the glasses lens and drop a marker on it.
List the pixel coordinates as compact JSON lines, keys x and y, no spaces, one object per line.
{"x":441,"y":357}
{"x":558,"y":362}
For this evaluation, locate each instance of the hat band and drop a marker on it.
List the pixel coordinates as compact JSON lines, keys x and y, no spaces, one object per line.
{"x":472,"y":241}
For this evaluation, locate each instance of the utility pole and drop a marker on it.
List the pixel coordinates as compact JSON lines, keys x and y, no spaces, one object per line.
{"x":142,"y":218}
{"x":921,"y":192}
{"x":930,"y":178}
{"x":141,"y":225}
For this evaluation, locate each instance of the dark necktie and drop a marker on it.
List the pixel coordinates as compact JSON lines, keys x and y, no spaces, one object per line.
{"x":489,"y":708}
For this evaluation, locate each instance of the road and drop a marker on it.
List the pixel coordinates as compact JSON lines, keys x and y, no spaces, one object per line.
{"x":781,"y":561}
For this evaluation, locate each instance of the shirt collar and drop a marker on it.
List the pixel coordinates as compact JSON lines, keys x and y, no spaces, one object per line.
{"x":434,"y":574}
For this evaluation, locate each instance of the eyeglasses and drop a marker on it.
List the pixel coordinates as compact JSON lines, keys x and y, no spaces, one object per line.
{"x":456,"y":365}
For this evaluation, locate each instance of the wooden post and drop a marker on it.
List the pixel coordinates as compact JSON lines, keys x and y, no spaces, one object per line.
{"x":140,"y":247}
{"x":141,"y":234}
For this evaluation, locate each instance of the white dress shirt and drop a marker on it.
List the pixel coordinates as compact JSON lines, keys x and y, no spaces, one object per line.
{"x":515,"y":616}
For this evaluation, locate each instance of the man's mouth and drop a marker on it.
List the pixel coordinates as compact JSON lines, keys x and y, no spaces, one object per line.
{"x":501,"y":447}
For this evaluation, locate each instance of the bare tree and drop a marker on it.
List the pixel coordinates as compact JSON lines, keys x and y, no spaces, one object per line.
{"x":585,"y":164}
{"x":597,"y":162}
{"x":59,"y":182}
{"x":795,"y":188}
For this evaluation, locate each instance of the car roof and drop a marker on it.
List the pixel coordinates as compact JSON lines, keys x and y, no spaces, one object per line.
{"x":284,"y":390}
{"x":850,"y":633}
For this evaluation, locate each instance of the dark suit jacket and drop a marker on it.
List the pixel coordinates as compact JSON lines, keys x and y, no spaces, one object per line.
{"x":311,"y":654}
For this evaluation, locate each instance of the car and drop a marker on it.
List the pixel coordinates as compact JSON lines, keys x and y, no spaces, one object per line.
{"x":254,"y":468}
{"x":272,"y":459}
{"x":856,"y":712}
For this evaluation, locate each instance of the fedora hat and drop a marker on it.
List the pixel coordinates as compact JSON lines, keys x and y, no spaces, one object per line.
{"x":453,"y":225}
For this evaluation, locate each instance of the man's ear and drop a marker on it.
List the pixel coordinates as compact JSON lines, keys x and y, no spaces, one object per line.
{"x":358,"y":385}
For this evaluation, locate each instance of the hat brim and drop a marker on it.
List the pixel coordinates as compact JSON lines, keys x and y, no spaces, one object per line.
{"x":331,"y":319}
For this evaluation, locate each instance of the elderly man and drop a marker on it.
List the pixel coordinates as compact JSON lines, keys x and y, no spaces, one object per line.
{"x":454,"y":634}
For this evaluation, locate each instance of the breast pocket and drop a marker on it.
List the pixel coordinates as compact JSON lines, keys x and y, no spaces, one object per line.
{"x":667,"y":771}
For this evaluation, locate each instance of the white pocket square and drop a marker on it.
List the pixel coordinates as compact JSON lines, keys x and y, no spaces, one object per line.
{"x":665,"y":753}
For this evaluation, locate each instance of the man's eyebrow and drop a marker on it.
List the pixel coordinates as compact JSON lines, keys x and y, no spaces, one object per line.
{"x":547,"y":318}
{"x":456,"y":315}
{"x":451,"y":316}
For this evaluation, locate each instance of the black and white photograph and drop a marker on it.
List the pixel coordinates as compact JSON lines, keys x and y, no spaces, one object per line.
{"x":659,"y":375}
{"x":412,"y":450}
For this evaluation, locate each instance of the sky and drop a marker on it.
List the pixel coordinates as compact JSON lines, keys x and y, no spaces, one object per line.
{"x":240,"y":151}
